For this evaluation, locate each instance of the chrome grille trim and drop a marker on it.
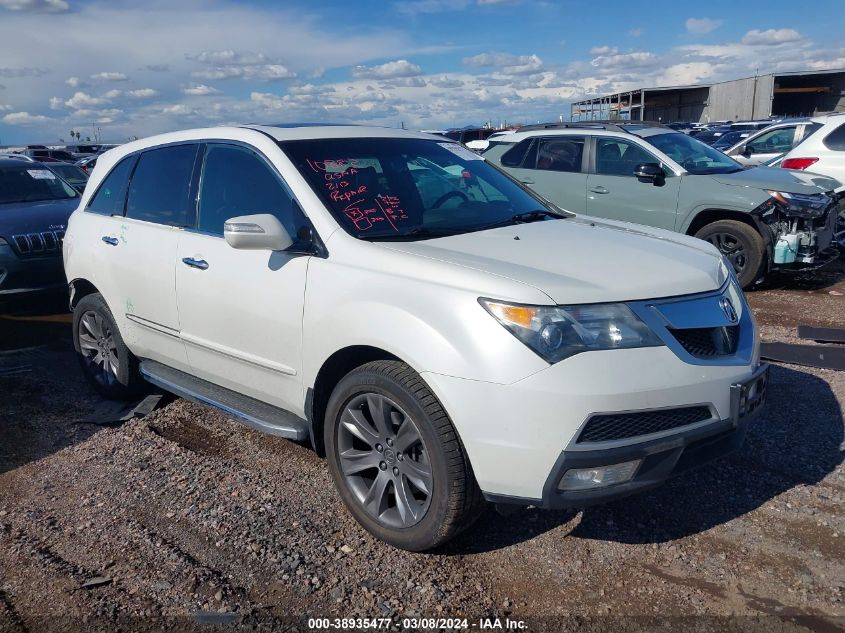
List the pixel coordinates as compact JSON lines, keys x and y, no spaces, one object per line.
{"x":42,"y":242}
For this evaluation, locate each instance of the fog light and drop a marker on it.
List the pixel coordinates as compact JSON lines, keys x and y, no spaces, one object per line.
{"x":598,"y":477}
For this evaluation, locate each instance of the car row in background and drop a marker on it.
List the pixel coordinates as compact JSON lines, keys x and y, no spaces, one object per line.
{"x":760,"y":218}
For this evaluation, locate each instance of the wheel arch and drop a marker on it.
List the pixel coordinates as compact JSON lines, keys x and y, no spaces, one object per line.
{"x":80,"y":288}
{"x":333,"y":369}
{"x":708,"y":216}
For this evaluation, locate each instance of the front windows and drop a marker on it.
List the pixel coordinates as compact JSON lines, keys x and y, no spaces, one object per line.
{"x":563,"y":153}
{"x":383,"y":188}
{"x":617,"y":157}
{"x":236,"y":181}
{"x":693,"y":155}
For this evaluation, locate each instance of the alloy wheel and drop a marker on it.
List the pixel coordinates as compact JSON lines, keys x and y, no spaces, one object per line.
{"x":98,"y":347}
{"x":731,"y":247}
{"x":384,"y":460}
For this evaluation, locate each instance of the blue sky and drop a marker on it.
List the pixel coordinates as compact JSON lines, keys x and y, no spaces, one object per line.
{"x":133,"y":71}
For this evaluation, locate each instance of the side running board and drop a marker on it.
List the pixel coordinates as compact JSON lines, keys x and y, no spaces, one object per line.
{"x":259,"y":415}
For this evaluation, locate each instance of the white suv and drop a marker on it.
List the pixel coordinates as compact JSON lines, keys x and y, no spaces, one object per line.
{"x":439,"y":332}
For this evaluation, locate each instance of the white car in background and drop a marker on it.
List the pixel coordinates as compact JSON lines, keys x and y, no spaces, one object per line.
{"x":439,"y":332}
{"x":482,"y":145}
{"x":823,"y":152}
{"x":761,"y":147}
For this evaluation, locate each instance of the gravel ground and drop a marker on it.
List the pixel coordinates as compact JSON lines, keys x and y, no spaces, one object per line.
{"x":185,"y":520}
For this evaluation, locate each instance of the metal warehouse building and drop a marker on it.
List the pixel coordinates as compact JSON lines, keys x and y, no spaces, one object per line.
{"x":759,"y":97}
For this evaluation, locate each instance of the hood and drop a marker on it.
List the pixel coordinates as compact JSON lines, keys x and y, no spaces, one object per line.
{"x":33,"y":217}
{"x":579,"y":260}
{"x":778,"y":179}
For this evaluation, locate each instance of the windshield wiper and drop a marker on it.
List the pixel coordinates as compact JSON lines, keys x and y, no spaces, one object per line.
{"x":412,"y":234}
{"x":533,"y":216}
{"x":522,"y":218}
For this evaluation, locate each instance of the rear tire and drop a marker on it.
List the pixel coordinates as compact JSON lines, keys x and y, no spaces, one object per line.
{"x":396,"y":459}
{"x":105,"y":360}
{"x":741,"y":244}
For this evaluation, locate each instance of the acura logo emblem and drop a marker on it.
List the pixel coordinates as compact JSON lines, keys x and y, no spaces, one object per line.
{"x":728,"y":309}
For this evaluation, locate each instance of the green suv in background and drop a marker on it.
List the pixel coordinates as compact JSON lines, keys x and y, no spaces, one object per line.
{"x":760,"y":218}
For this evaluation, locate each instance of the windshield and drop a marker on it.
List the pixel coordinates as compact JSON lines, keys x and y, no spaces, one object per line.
{"x":394,"y":188}
{"x":693,"y":155}
{"x":28,"y":182}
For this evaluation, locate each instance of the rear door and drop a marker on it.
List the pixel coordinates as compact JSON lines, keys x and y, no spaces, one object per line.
{"x":143,"y":247}
{"x":241,"y":310}
{"x":614,"y":192}
{"x":552,"y":166}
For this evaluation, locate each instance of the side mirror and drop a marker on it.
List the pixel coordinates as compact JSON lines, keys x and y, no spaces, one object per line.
{"x":650,"y":172}
{"x":746,"y":151}
{"x":262,"y":232}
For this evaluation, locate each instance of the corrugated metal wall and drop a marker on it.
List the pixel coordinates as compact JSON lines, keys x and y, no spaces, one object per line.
{"x":739,"y":100}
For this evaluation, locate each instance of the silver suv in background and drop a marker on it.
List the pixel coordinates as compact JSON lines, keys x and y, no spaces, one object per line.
{"x":759,"y":218}
{"x":762,"y":146}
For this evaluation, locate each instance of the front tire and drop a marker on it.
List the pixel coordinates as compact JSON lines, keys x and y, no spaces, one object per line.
{"x":741,"y":244}
{"x":396,"y":458}
{"x":105,"y":360}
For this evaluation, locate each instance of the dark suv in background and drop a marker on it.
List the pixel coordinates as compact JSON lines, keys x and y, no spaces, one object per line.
{"x":35,"y":205}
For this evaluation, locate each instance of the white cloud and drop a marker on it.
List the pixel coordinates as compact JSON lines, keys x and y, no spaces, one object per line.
{"x":771,"y":37}
{"x":636,"y":59}
{"x":24,"y":118}
{"x":75,"y":82}
{"x":5,"y":107}
{"x":35,"y":6}
{"x":413,"y":7}
{"x":109,"y":76}
{"x":142,"y":93}
{"x":507,"y":63}
{"x":84,"y":100}
{"x":636,"y":32}
{"x":200,"y":90}
{"x":399,"y":68}
{"x":230,"y":64}
{"x":702,"y":25}
{"x":113,"y":94}
{"x":604,"y":50}
{"x":56,"y":103}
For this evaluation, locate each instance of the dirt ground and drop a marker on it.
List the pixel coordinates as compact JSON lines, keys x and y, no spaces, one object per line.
{"x":185,"y":520}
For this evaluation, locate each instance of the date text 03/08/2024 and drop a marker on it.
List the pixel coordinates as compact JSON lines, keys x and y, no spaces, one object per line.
{"x":441,"y":623}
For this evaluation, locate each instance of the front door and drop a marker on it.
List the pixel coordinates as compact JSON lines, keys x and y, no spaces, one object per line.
{"x":614,"y":192}
{"x":766,"y":146}
{"x":241,"y":311}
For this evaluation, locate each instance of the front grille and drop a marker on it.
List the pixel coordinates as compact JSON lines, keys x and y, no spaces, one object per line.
{"x":42,"y":243}
{"x":618,"y":426}
{"x":709,"y":342}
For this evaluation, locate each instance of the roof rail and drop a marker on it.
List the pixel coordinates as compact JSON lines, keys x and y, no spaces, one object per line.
{"x":612,"y":126}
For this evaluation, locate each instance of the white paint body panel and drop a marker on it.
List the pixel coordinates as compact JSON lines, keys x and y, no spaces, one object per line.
{"x":265,"y":323}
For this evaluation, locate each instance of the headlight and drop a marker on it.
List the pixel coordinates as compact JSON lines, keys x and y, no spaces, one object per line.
{"x":800,"y":204}
{"x":558,"y":332}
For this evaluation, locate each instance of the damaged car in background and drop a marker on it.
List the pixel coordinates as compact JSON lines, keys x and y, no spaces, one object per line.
{"x":761,"y":219}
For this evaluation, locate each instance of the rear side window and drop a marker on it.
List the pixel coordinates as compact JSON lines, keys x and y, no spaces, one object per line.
{"x":836,"y":139}
{"x":515,"y":156}
{"x":560,"y":154}
{"x":236,"y":181}
{"x":111,"y":196}
{"x":161,"y":186}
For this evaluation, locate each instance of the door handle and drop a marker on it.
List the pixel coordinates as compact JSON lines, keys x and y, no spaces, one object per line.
{"x":195,"y":263}
{"x":111,"y":241}
{"x":527,"y":181}
{"x":600,"y":189}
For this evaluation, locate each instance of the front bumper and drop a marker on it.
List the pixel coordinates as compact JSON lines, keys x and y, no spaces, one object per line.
{"x":521,"y":438}
{"x":22,"y":279}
